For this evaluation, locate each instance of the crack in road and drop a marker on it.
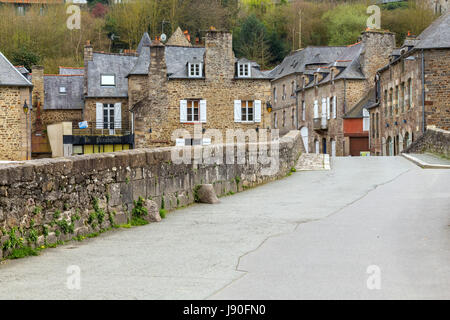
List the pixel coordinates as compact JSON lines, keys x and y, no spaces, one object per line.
{"x":297,"y":225}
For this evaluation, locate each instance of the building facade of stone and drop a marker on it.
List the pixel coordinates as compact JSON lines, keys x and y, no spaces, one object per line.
{"x":330,"y":82}
{"x":15,"y":124}
{"x":414,"y":91}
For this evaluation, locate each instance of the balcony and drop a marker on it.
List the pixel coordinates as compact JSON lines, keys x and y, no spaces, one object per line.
{"x":320,"y":124}
{"x":99,"y":133}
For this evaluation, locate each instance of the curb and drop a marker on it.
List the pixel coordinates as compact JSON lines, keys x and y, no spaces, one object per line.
{"x":424,"y":165}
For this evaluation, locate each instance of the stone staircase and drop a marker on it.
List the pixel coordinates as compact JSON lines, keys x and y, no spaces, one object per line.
{"x":313,"y":162}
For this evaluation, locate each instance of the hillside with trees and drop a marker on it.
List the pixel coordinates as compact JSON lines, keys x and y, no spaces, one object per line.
{"x":263,"y":30}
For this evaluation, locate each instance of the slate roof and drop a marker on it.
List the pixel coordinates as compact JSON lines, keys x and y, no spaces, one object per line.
{"x":437,"y":35}
{"x":367,"y":102}
{"x":106,"y":63}
{"x":145,"y":41}
{"x":71,"y":71}
{"x":71,"y":100}
{"x":10,"y":76}
{"x":178,"y":57}
{"x":297,"y":61}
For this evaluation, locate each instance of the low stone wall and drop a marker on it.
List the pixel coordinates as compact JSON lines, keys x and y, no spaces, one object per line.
{"x":434,"y":140}
{"x":50,"y":200}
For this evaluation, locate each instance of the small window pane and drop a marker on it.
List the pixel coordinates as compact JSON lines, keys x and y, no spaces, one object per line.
{"x":108,"y":80}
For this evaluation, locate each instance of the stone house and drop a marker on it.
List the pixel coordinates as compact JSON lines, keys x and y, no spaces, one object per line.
{"x":15,"y":91}
{"x":187,"y":84}
{"x":331,"y":85}
{"x":177,"y":86}
{"x":56,"y":98}
{"x":413,"y":90}
{"x":286,"y":80}
{"x":438,"y":6}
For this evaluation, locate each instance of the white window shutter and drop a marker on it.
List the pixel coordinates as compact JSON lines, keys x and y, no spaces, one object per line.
{"x":118,"y":116}
{"x":99,"y":116}
{"x":183,"y":110}
{"x":324,"y":107}
{"x":202,"y":110}
{"x":328,"y":108}
{"x":316,"y":109}
{"x":257,"y":110}
{"x":237,"y":111}
{"x":334,"y":107}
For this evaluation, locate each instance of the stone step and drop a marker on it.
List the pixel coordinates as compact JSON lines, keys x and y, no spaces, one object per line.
{"x":313,"y":162}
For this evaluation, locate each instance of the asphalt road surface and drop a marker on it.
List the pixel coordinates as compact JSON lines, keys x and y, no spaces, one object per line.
{"x":371,"y":228}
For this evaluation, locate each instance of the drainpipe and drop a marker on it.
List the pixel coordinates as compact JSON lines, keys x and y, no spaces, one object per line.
{"x":345,"y":96}
{"x":30,"y":129}
{"x":423,"y":93}
{"x":296,"y":108}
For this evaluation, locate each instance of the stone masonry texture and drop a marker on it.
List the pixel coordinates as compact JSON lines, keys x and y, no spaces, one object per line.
{"x":13,"y":133}
{"x":57,"y":198}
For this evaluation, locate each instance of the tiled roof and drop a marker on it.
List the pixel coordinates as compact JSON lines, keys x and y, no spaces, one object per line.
{"x":10,"y":76}
{"x":71,"y":99}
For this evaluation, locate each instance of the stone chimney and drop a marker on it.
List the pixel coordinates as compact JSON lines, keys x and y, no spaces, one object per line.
{"x":157,"y":72}
{"x":38,"y":83}
{"x":38,"y":98}
{"x":219,"y":56}
{"x":378,"y":45}
{"x":88,"y":56}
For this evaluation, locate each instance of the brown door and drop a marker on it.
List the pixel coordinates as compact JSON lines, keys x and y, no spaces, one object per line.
{"x":358,"y":144}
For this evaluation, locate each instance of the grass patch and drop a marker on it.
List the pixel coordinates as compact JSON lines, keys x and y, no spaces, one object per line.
{"x":22,"y":253}
{"x":137,"y":221}
{"x":162,"y":213}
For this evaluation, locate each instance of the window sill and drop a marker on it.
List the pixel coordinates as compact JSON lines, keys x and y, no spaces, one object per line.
{"x":193,"y":122}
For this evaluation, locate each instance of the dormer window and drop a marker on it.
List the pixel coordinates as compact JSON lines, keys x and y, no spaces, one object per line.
{"x":62,"y":90}
{"x":108,"y":80}
{"x":244,"y":70}
{"x":195,"y":70}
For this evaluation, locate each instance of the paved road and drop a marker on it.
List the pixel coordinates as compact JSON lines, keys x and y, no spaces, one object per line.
{"x":311,"y":235}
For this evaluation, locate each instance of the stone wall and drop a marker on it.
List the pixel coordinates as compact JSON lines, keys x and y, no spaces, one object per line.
{"x":434,"y":140}
{"x":13,"y":133}
{"x":56,"y":199}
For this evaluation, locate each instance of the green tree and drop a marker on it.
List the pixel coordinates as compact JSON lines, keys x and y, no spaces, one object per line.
{"x":251,"y":41}
{"x":23,"y":56}
{"x":345,"y":23}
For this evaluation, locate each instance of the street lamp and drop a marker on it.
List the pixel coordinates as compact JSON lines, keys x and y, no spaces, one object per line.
{"x":26,"y":108}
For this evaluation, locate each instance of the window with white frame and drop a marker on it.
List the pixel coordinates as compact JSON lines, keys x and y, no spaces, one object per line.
{"x":243,"y":70}
{"x":193,"y":110}
{"x":275,"y":121}
{"x":247,"y":111}
{"x":195,"y":70}
{"x":274,"y":94}
{"x":284,"y":92}
{"x":294,"y":87}
{"x":62,"y":90}
{"x":284,"y":118}
{"x":108,"y":80}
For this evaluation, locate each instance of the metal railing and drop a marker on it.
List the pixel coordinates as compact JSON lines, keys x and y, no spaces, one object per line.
{"x":92,"y":128}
